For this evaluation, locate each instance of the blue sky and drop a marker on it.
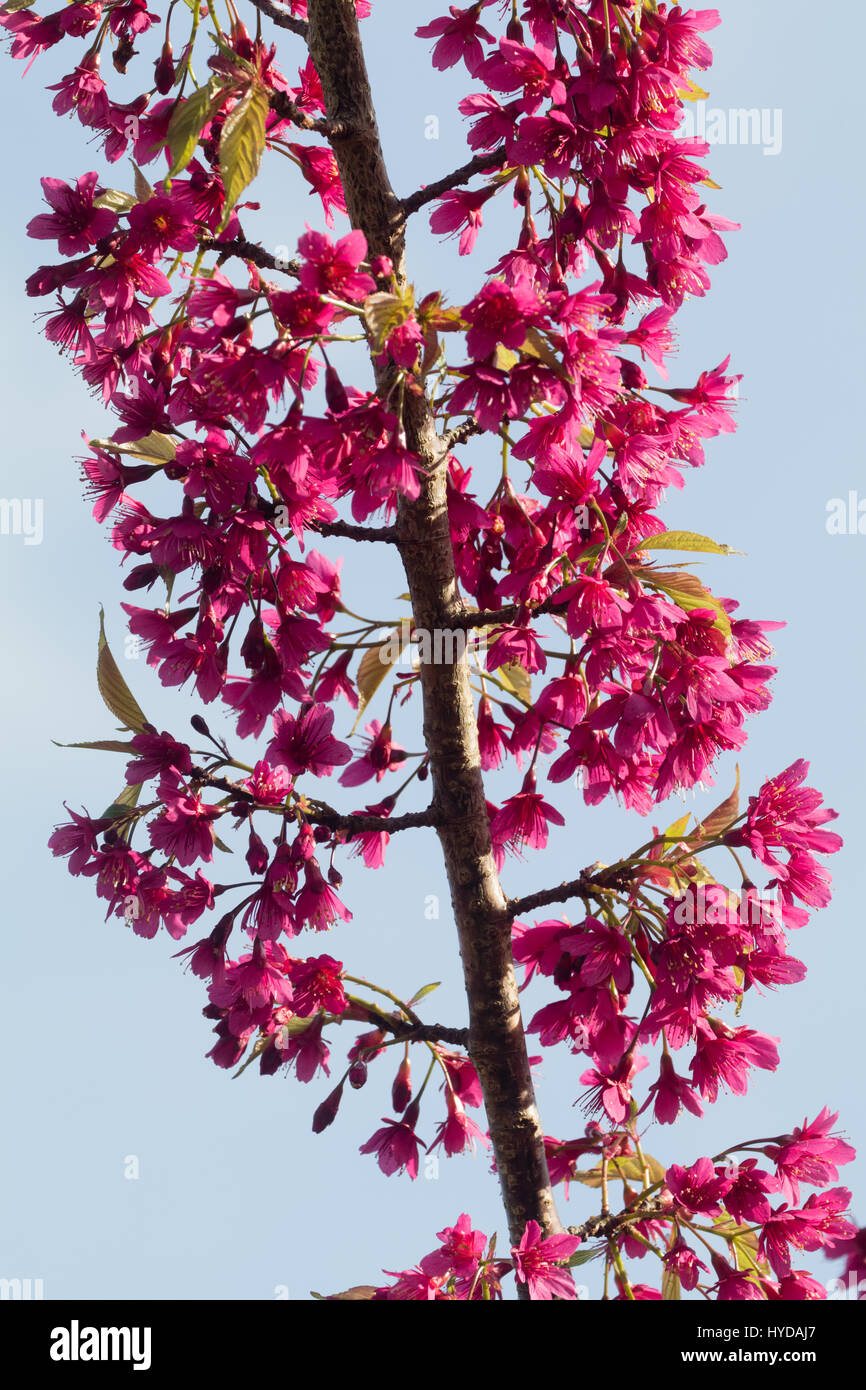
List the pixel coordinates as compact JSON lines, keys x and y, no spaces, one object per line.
{"x":235,"y":1197}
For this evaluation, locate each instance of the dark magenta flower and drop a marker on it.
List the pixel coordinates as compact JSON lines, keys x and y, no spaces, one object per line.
{"x":538,"y":1263}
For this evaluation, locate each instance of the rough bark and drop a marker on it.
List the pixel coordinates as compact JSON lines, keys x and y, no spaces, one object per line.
{"x":497,"y":1044}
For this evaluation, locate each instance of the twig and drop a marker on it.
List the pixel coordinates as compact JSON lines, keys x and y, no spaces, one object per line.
{"x":249,"y":251}
{"x":460,"y":434}
{"x":359,"y":825}
{"x":322,"y":814}
{"x":492,"y":617}
{"x":493,"y":159}
{"x":410,"y":1029}
{"x":281,"y":19}
{"x":332,"y":130}
{"x":433,"y":1033}
{"x":586,"y":886}
{"x":606,"y":1226}
{"x":355,"y":533}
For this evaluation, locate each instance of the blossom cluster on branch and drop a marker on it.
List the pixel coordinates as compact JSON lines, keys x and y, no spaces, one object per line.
{"x":239,"y":444}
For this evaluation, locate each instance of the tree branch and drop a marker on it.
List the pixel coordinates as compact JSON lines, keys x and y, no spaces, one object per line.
{"x":284,"y":106}
{"x":587,"y":886}
{"x":249,"y":251}
{"x":493,"y":617}
{"x":497,"y":1040}
{"x":608,"y":1226}
{"x":460,"y":434}
{"x":492,"y":159}
{"x":321,"y":814}
{"x":433,"y":1033}
{"x":358,"y":824}
{"x":280,"y":18}
{"x":387,"y":534}
{"x":412,"y":1029}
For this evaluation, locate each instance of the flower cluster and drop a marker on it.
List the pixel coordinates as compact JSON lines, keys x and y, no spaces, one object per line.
{"x":239,"y":444}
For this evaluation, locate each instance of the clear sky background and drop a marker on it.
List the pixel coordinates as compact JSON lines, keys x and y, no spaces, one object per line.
{"x":105,"y":1043}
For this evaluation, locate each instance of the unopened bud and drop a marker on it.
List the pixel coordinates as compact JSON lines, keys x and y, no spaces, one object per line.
{"x":401,"y":1091}
{"x":163,"y":72}
{"x":633,"y":378}
{"x":327,"y":1111}
{"x":522,"y":188}
{"x":257,"y":856}
{"x":335,"y":391}
{"x":358,"y":1075}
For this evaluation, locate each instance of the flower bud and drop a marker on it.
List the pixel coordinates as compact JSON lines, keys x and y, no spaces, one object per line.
{"x":257,"y":855}
{"x":401,"y":1091}
{"x":358,"y":1075}
{"x":141,"y":578}
{"x":163,"y":71}
{"x":335,"y":391}
{"x":633,"y":378}
{"x":327,"y":1111}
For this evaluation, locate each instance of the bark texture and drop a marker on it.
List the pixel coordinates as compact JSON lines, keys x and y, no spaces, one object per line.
{"x":497,"y":1044}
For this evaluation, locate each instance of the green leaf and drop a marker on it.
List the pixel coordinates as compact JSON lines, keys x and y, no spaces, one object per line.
{"x":168,"y":577}
{"x":670,"y":1286}
{"x":535,"y":345}
{"x":242,"y":144}
{"x":504,"y":359}
{"x":375,"y":665}
{"x":102,"y":745}
{"x":113,"y":688}
{"x":584,"y":1255}
{"x":685,"y":540}
{"x":115,"y":200}
{"x":186,"y":125}
{"x":154,"y":448}
{"x":383,"y":312}
{"x":143,"y":190}
{"x":624,"y":1170}
{"x":422,"y":993}
{"x":678,"y":829}
{"x":723,"y":817}
{"x":125,"y":802}
{"x":516,"y":679}
{"x":744,"y":1242}
{"x":685,"y":590}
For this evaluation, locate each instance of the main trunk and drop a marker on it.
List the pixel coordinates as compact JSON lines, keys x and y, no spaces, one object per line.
{"x":497,"y":1043}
